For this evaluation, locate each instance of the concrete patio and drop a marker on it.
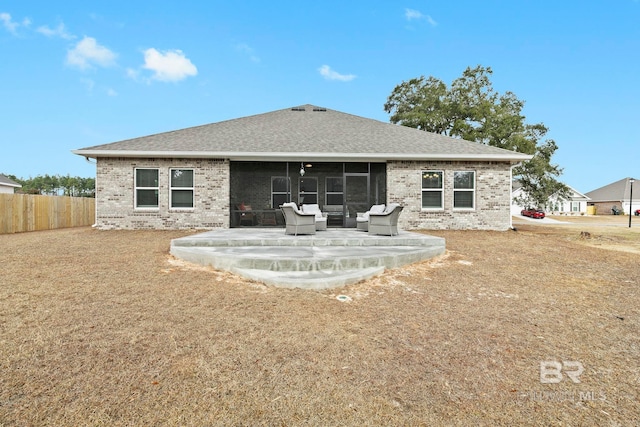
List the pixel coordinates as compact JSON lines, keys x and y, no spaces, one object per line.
{"x":332,"y":258}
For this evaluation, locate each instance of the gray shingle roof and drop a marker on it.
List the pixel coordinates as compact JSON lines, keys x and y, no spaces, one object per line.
{"x":308,"y":132}
{"x":616,"y":191}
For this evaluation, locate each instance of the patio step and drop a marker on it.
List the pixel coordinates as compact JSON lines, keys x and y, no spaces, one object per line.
{"x":327,"y":259}
{"x":310,"y":279}
{"x":331,"y":237}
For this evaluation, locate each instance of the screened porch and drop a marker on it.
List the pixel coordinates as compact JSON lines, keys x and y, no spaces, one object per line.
{"x":340,"y":189}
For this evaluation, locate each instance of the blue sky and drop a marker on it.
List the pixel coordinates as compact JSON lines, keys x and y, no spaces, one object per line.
{"x":76,"y":73}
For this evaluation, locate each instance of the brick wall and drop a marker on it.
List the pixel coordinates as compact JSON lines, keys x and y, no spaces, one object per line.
{"x":115,"y":198}
{"x":492,"y":195}
{"x":115,"y":195}
{"x":605,"y":208}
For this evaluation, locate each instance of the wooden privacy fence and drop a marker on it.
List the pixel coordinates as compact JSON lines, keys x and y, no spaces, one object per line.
{"x":28,"y":212}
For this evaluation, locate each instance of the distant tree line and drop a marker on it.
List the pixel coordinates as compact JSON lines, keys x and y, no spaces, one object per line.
{"x":57,"y":185}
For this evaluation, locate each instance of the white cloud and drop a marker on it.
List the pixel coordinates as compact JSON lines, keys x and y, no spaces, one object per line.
{"x":329,"y":74}
{"x":11,"y":25}
{"x":247,"y":50}
{"x":59,"y":31}
{"x":412,"y":14}
{"x":169,"y":66}
{"x":88,"y":52}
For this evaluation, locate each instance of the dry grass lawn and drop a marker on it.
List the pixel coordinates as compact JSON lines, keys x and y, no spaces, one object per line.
{"x":105,"y":328}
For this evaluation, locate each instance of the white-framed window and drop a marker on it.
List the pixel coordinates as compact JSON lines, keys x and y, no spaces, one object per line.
{"x":334,"y":191}
{"x":146,"y":188}
{"x":575,"y":206}
{"x":432,"y":189}
{"x":464,"y":189}
{"x":307,"y":190}
{"x":181,"y":188}
{"x":279,"y":190}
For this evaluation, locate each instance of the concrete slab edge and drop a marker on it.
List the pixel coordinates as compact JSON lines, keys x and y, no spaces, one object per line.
{"x":304,"y":280}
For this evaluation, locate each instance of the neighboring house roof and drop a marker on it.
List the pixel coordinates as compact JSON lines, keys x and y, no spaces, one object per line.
{"x":303,"y":133}
{"x":577,"y":196}
{"x":614,"y":192}
{"x":8,"y":182}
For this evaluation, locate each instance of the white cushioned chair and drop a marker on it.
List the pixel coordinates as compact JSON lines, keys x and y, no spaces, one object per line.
{"x":386,"y":222}
{"x":296,"y":221}
{"x":321,"y":220}
{"x":362,"y":221}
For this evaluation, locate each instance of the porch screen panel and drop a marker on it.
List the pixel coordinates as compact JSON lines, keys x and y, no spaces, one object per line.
{"x":335,"y":191}
{"x":279,"y":191}
{"x":308,"y":190}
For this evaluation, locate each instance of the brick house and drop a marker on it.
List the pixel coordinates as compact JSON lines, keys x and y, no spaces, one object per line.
{"x":237,"y":173}
{"x":616,"y":195}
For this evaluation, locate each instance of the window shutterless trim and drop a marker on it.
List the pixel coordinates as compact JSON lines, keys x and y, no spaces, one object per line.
{"x":136,"y":188}
{"x":173,"y":188}
{"x":432,"y":190}
{"x":465,"y":190}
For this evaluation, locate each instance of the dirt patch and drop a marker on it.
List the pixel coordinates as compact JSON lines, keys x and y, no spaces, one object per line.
{"x":105,"y":328}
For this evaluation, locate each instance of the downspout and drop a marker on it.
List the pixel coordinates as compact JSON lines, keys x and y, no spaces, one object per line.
{"x":511,"y":193}
{"x":95,"y":194}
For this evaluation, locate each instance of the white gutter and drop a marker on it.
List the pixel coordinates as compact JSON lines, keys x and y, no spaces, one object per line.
{"x":318,"y":157}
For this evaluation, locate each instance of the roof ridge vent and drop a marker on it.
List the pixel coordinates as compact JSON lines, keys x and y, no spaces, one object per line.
{"x":298,"y":109}
{"x":319,"y":109}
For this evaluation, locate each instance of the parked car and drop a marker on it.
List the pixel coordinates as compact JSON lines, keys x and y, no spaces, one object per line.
{"x":533,"y":213}
{"x":637,"y":212}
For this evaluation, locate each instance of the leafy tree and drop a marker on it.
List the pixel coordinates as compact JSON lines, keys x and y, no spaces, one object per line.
{"x":55,"y":185}
{"x":472,"y":110}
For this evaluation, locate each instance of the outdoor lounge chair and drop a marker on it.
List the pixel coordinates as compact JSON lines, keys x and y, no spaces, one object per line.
{"x":298,"y":222}
{"x":387,"y":222}
{"x":321,"y":220}
{"x":362,"y":221}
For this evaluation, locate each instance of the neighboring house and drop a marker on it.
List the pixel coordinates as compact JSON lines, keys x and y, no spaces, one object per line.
{"x":238,"y":172}
{"x":616,"y":194}
{"x":574,"y":204}
{"x":7,"y":185}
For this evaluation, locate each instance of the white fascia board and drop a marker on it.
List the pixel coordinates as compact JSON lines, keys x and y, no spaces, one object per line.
{"x":325,"y":157}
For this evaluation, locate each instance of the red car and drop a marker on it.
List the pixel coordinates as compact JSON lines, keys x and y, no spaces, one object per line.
{"x":533,"y":213}
{"x":637,"y":212}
